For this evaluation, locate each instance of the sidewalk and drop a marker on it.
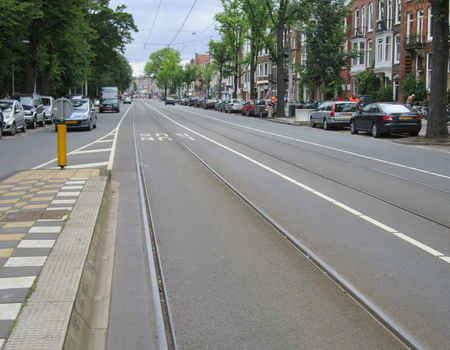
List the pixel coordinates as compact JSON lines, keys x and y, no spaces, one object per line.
{"x":47,"y":220}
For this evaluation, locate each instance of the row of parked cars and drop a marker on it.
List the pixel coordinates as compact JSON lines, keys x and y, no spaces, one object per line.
{"x":377,"y":119}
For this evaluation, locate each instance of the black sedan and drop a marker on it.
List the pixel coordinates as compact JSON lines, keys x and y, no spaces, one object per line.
{"x":385,"y":118}
{"x":170,"y":101}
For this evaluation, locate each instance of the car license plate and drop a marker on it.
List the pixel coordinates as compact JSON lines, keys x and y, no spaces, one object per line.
{"x":71,"y":121}
{"x":405,"y":118}
{"x":347,"y":115}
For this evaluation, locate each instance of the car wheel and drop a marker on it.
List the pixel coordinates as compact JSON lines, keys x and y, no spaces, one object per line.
{"x":313,"y":125}
{"x":247,"y":113}
{"x":33,"y":123}
{"x":261,"y":114}
{"x":415,"y":133}
{"x":56,"y":128}
{"x":1,"y":131}
{"x":100,"y":110}
{"x":353,"y":128}
{"x":375,"y":131}
{"x":95,"y":125}
{"x":14,"y":129}
{"x":24,"y":127}
{"x":42,"y":123}
{"x":326,"y":126}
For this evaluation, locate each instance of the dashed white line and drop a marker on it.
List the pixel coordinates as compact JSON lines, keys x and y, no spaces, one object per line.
{"x":26,"y":261}
{"x":16,"y":282}
{"x":45,"y":229}
{"x":9,"y":311}
{"x":92,"y":151}
{"x":299,"y":184}
{"x":36,"y":243}
{"x":64,"y":201}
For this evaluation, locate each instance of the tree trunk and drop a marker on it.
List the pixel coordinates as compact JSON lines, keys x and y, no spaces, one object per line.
{"x":252,"y":74}
{"x":32,"y":62}
{"x":236,"y":74}
{"x":165,"y":91}
{"x":437,"y":116}
{"x":281,"y":84}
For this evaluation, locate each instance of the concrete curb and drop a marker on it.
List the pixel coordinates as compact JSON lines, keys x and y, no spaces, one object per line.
{"x":60,"y":313}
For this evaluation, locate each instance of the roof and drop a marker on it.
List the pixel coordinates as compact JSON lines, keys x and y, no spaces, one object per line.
{"x":201,"y":59}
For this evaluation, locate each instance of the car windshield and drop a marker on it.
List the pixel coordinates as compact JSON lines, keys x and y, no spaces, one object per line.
{"x":26,"y":101}
{"x":395,"y":109}
{"x":46,"y":101}
{"x":109,"y":96}
{"x":6,"y":106}
{"x":109,"y":101}
{"x":80,"y":104}
{"x":346,"y":107}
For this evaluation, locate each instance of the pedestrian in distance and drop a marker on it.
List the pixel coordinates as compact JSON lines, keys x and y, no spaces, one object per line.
{"x":410,"y":100}
{"x":271,"y":107}
{"x":354,"y":98}
{"x":7,"y":97}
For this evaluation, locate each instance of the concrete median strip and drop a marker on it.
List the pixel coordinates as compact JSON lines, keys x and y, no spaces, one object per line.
{"x":55,"y":311}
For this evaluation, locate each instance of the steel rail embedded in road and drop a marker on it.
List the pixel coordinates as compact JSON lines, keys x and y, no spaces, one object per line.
{"x":164,"y":325}
{"x":387,"y":322}
{"x":410,"y":211}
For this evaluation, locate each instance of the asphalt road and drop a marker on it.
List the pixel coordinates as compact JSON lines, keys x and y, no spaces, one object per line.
{"x":38,"y":147}
{"x":377,"y":212}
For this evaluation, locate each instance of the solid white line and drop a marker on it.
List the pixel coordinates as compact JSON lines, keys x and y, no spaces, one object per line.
{"x":86,"y":165}
{"x":446,"y":258}
{"x":104,"y":141}
{"x":92,"y":151}
{"x":9,"y":311}
{"x":322,"y":146}
{"x":116,"y":134}
{"x":85,"y":146}
{"x":295,"y":182}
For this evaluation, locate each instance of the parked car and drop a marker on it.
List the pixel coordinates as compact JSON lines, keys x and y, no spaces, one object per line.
{"x":13,"y":116}
{"x":385,"y":118}
{"x":261,"y":108}
{"x":48,"y":102}
{"x":217,"y":105}
{"x":334,"y":113}
{"x":199,"y":102}
{"x":192,"y":101}
{"x":169,"y":101}
{"x":34,"y":108}
{"x":83,"y":115}
{"x":222,"y":105}
{"x":248,"y":107}
{"x":234,"y":105}
{"x":1,"y":124}
{"x":209,"y":103}
{"x":127,"y":99}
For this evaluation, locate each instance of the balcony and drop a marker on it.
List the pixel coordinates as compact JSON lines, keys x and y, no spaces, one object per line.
{"x":415,"y":41}
{"x":383,"y":25}
{"x":359,"y":32}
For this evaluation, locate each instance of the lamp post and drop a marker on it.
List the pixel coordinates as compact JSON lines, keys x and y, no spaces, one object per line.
{"x":13,"y":82}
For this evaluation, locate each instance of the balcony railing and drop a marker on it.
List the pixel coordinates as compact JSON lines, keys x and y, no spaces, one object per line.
{"x":384,"y":24}
{"x":415,"y":41}
{"x":359,"y":32}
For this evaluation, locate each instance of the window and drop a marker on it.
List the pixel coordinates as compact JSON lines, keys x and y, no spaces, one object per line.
{"x":398,"y":11}
{"x":430,"y":24}
{"x":266,"y":66}
{"x":363,"y":20}
{"x":380,"y":10}
{"x":361,"y":52}
{"x":409,"y":27}
{"x":379,"y":49}
{"x":356,"y":21}
{"x":388,"y":44}
{"x":369,"y":53}
{"x":370,"y":24}
{"x":419,"y":63}
{"x":355,"y":48}
{"x":429,"y":55}
{"x":419,"y":23}
{"x":397,"y":40}
{"x":389,"y":14}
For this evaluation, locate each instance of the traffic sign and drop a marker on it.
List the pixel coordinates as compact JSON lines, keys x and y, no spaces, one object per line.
{"x":62,"y":109}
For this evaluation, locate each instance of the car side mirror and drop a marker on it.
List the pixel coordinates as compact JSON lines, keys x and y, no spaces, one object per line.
{"x":316,"y":109}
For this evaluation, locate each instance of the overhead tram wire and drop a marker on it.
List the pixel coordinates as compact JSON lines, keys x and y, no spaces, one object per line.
{"x":151,"y":28}
{"x":198,"y":36}
{"x":192,"y":7}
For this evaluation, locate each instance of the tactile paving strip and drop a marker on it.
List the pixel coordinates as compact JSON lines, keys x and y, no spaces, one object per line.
{"x":33,"y":215}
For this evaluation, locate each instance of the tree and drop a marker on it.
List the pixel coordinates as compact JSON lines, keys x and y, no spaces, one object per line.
{"x":220,"y":53}
{"x":207,"y":73}
{"x":437,"y":116}
{"x":232,"y":27}
{"x":416,"y":86}
{"x":189,"y":76}
{"x":325,"y":36}
{"x":163,"y":66}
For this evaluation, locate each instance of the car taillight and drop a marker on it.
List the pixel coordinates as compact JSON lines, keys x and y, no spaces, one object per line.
{"x":232,"y":105}
{"x":388,"y":117}
{"x":208,"y":103}
{"x":333,"y":110}
{"x":419,"y":117}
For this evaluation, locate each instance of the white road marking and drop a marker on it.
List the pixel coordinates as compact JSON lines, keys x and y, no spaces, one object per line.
{"x":446,"y":258}
{"x":64,"y":218}
{"x":85,"y":165}
{"x":16,"y":282}
{"x":26,"y":261}
{"x":104,"y":141}
{"x":162,"y":136}
{"x":146,"y":137}
{"x":75,"y":182}
{"x":116,"y":134}
{"x":36,"y":243}
{"x":64,"y":201}
{"x":78,"y":179}
{"x":2,"y":341}
{"x":60,"y":208}
{"x":9,"y":311}
{"x":92,"y":151}
{"x":297,"y":183}
{"x":72,"y":187}
{"x":68,"y":194}
{"x":323,"y":146}
{"x":45,"y":229}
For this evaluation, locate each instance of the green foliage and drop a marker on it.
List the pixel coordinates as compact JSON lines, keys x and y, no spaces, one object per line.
{"x":413,"y":85}
{"x":385,"y":94}
{"x":164,"y":66}
{"x":220,"y":52}
{"x":366,"y":84}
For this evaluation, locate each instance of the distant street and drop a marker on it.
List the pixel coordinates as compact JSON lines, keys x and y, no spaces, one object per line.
{"x":376,"y":212}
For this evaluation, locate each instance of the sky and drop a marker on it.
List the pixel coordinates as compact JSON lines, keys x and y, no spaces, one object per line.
{"x":168,"y":21}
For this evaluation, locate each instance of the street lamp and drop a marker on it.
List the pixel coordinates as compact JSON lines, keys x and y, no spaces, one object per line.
{"x":13,"y":88}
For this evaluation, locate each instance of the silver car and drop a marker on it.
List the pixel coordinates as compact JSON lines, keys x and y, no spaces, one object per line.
{"x":13,"y":116}
{"x":334,"y":113}
{"x":234,"y":105}
{"x":48,"y":102}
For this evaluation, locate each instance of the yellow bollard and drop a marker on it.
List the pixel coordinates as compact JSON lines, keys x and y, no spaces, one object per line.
{"x":62,"y":145}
